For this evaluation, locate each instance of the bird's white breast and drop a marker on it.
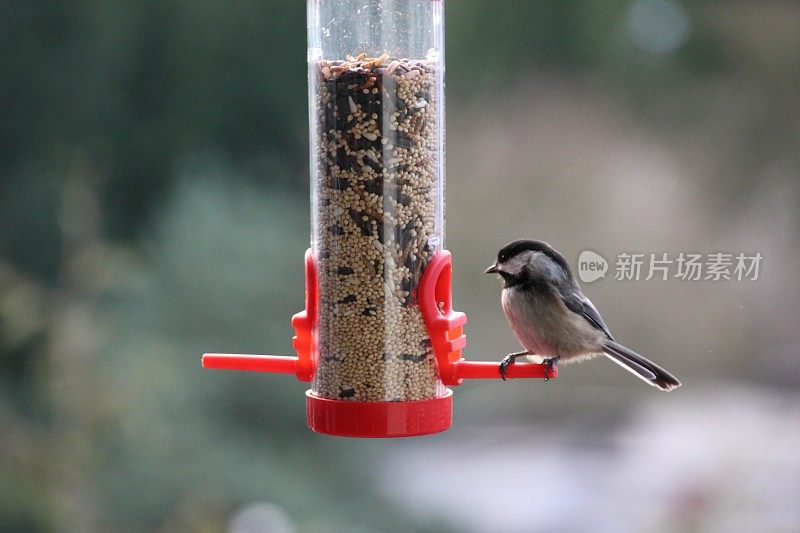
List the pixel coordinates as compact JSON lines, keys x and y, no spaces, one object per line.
{"x":529,"y":316}
{"x":544,"y":326}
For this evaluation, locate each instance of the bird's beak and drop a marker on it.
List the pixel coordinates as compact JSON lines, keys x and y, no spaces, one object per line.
{"x":492,"y":269}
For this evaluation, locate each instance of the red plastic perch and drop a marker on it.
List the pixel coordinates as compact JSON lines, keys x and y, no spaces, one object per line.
{"x":490,"y":369}
{"x":278,"y":364}
{"x":281,"y":364}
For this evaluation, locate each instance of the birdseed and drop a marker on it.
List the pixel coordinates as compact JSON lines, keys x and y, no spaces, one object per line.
{"x":376,"y":200}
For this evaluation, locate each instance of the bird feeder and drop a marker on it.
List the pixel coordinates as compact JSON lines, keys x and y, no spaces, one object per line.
{"x":379,"y":339}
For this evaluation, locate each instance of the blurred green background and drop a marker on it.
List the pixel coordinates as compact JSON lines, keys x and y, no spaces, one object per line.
{"x":154,"y":205}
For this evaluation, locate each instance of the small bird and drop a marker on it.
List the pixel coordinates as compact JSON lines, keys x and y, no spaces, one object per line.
{"x":552,"y":318}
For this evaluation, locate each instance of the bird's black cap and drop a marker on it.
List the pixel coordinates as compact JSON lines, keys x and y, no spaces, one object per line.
{"x":529,"y":245}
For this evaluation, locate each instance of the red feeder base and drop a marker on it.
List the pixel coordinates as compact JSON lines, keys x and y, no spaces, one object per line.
{"x":379,"y":419}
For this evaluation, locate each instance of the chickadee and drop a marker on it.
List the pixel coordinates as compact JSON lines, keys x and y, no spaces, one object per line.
{"x":554,"y":320}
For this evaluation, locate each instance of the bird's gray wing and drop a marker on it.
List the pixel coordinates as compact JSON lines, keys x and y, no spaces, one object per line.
{"x":578,"y":303}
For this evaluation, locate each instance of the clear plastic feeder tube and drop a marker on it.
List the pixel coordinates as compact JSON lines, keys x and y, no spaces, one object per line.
{"x":376,"y":98}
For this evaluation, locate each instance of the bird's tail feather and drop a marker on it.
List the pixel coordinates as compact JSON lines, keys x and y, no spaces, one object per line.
{"x":640,"y":366}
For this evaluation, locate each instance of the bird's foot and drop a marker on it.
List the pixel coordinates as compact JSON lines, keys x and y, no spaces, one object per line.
{"x":507,"y":360}
{"x":550,"y":365}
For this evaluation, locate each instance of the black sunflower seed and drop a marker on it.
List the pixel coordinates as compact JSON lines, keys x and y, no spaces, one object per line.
{"x":343,"y":106}
{"x":381,"y":234}
{"x":402,"y":140}
{"x":406,"y":284}
{"x":344,"y":161}
{"x":340,"y":184}
{"x":413,"y":357}
{"x":374,"y":186}
{"x":364,"y":225}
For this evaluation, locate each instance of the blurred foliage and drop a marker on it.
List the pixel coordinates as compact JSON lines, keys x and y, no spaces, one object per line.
{"x":153,"y":178}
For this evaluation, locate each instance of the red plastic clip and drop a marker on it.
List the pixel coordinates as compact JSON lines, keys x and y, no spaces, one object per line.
{"x":445,"y":326}
{"x":304,"y":322}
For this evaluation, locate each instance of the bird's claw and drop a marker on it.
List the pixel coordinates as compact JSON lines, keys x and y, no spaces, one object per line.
{"x":508,"y":360}
{"x":550,"y":364}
